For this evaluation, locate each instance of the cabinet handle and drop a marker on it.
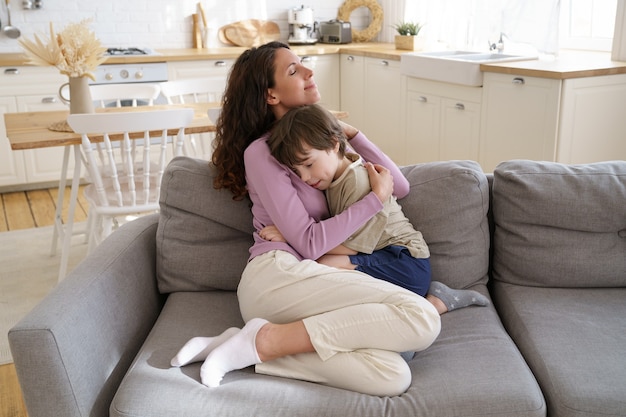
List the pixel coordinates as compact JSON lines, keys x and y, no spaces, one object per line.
{"x":11,"y":71}
{"x":384,"y":63}
{"x":423,"y":99}
{"x":460,"y":106}
{"x":305,"y":59}
{"x":518,"y":80}
{"x":350,"y":58}
{"x":220,"y":63}
{"x":47,"y":100}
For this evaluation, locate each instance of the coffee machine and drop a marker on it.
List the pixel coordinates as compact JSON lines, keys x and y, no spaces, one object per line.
{"x":301,"y":26}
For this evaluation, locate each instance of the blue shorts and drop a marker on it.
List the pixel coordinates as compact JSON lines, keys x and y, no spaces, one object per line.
{"x":396,"y":265}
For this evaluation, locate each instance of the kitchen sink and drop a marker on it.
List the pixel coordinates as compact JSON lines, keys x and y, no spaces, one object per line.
{"x":457,"y":67}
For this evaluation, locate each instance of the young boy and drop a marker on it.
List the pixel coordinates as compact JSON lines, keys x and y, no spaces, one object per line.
{"x":311,"y":141}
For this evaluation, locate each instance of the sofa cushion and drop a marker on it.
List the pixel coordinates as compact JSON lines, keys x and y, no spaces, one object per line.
{"x":467,"y":371}
{"x":574,"y":341}
{"x":560,"y":225}
{"x":448,"y":203}
{"x":203,"y":235}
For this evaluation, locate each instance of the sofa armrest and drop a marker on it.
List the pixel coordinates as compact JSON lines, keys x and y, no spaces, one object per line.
{"x":73,"y":349}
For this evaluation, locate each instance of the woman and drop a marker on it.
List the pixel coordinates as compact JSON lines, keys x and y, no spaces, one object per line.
{"x":305,"y":320}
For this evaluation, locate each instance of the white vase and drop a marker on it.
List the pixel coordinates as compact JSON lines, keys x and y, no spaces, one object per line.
{"x":80,"y":96}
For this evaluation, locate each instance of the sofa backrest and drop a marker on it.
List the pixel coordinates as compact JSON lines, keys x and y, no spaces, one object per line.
{"x":203,"y":235}
{"x":448,"y":203}
{"x":560,"y":225}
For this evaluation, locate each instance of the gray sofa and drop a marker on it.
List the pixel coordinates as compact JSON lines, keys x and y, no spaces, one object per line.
{"x":548,"y":243}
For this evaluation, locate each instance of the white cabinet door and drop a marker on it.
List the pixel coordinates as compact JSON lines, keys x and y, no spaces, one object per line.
{"x":11,"y":162}
{"x":422,"y":127}
{"x":44,"y":164}
{"x":519,"y":119}
{"x":382,"y":96}
{"x":326,"y":75}
{"x":441,"y":121}
{"x":593,"y":121}
{"x":460,"y":129}
{"x":352,"y":89}
{"x":214,"y":68}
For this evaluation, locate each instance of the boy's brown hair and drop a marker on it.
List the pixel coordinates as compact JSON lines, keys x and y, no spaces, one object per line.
{"x":311,"y":125}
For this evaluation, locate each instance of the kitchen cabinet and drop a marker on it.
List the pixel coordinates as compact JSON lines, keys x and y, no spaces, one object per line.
{"x":326,"y":75}
{"x":519,"y":119}
{"x":212,"y":68}
{"x":29,"y":88}
{"x":11,"y":162}
{"x":592,"y":125}
{"x":43,"y":165}
{"x":382,"y":91}
{"x":573,"y":121}
{"x":441,"y":121}
{"x":352,"y":89}
{"x":371,"y":91}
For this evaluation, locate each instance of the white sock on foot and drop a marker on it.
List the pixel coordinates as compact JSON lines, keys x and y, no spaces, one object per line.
{"x":198,"y":348}
{"x":237,"y":352}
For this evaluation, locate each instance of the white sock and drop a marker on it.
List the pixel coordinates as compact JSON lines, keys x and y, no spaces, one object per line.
{"x":198,"y":348}
{"x":237,"y":352}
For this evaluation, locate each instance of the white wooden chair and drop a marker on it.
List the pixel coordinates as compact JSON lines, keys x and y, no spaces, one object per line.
{"x":125,"y":181}
{"x":108,"y":95}
{"x":195,"y":90}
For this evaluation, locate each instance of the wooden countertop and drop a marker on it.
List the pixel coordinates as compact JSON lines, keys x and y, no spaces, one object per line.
{"x":570,"y":64}
{"x":377,"y":50}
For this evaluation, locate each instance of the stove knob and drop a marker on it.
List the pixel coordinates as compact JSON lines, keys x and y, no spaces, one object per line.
{"x":108,"y":76}
{"x":124,"y":74}
{"x":139,"y":75}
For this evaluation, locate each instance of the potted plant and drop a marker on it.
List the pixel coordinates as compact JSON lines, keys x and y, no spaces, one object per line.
{"x":407,"y":35}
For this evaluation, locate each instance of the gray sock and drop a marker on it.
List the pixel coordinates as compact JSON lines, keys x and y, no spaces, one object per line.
{"x":455,"y":299}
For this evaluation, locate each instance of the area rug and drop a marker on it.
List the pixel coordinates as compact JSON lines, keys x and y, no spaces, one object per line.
{"x":28,"y":273}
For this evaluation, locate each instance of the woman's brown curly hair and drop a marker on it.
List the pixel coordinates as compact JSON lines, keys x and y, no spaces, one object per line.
{"x":245,"y":115}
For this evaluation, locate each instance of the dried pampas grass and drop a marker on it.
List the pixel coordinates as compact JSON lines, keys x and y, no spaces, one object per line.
{"x":75,"y":51}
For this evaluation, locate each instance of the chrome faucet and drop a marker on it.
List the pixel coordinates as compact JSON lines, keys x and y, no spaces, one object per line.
{"x":499,"y":46}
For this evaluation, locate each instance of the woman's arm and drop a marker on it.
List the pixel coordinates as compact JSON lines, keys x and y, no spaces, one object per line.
{"x":280,"y":198}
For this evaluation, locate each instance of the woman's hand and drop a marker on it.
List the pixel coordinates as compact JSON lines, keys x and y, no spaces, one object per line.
{"x":381,"y":181}
{"x":272,"y":234}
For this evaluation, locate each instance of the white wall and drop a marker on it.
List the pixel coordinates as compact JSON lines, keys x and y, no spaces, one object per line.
{"x":156,"y":23}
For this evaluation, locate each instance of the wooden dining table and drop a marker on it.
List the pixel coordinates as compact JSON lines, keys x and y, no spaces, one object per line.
{"x":31,"y":130}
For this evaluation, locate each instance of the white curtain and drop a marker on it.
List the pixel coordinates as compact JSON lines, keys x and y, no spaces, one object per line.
{"x":393,"y":13}
{"x":475,"y":24}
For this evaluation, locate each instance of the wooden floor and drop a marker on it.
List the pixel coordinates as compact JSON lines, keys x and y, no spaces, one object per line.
{"x":36,"y":208}
{"x":25,"y":210}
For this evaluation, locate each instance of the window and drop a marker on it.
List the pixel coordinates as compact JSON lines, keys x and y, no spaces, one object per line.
{"x":547,"y":25}
{"x":587,"y":24}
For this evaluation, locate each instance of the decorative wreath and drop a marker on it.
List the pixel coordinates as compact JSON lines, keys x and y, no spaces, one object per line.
{"x":375,"y":25}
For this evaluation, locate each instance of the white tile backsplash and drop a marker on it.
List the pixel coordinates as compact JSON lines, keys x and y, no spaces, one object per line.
{"x":156,"y":23}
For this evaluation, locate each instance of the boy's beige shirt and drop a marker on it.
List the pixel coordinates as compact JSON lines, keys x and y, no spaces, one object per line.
{"x":389,"y":227}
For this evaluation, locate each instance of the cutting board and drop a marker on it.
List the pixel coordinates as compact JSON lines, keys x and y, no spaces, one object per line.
{"x":250,"y":32}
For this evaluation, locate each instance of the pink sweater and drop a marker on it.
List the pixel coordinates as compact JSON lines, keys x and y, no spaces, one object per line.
{"x":298,"y":210}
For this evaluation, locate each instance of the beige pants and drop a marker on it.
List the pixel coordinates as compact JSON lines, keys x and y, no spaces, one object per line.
{"x":356,"y":323}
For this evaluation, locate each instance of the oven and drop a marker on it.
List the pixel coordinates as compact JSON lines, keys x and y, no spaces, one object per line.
{"x":148,"y":72}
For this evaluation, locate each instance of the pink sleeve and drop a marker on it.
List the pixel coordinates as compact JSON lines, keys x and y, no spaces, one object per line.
{"x":288,"y":206}
{"x":373,"y":154}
